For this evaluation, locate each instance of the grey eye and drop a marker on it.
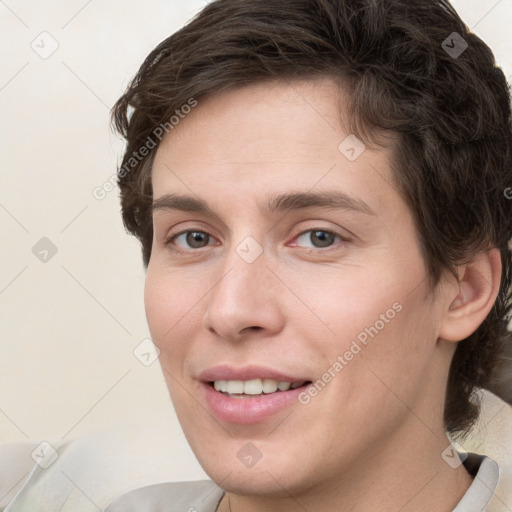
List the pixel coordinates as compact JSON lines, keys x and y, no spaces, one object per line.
{"x":318,"y":238}
{"x":194,"y":239}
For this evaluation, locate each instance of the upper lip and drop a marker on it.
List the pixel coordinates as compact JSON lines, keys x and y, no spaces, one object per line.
{"x":249,"y":372}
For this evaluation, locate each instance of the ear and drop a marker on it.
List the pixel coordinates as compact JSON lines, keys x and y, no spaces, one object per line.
{"x":471,"y":299}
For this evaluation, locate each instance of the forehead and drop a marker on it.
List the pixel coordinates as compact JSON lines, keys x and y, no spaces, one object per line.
{"x":290,"y":119}
{"x":270,"y":137}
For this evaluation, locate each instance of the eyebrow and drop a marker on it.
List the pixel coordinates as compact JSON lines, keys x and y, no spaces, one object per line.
{"x":275,"y":203}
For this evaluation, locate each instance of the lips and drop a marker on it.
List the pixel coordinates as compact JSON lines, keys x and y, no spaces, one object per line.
{"x":245,"y":409}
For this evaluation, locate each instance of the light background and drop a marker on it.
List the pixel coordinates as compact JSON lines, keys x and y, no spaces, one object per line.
{"x":68,"y":327}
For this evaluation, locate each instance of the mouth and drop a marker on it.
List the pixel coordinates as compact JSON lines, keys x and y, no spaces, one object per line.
{"x":251,"y":394}
{"x":255,"y":387}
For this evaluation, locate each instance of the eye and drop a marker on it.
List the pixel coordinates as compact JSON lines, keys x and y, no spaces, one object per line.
{"x":194,"y":239}
{"x":320,"y":238}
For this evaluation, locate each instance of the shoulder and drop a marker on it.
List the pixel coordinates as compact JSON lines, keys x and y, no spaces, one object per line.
{"x":198,"y":496}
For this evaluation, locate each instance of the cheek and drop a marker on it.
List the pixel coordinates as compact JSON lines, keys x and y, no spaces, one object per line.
{"x":157,"y":302}
{"x":169,"y":302}
{"x":395,"y":362}
{"x":354,"y":303}
{"x":376,"y":317}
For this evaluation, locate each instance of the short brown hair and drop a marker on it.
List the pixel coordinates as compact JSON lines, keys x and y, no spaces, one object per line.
{"x":451,"y":112}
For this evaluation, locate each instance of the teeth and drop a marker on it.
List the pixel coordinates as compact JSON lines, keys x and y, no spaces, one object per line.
{"x":254,"y":386}
{"x":235,"y":386}
{"x":221,"y":385}
{"x":269,"y":386}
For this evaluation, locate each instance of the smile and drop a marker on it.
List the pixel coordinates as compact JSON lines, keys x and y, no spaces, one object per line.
{"x":253,"y":387}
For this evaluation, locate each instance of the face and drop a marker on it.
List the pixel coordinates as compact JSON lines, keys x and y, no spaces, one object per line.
{"x":262,"y":278}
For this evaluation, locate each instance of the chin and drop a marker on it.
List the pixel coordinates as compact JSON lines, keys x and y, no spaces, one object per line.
{"x":239,"y":467}
{"x":267,"y":480}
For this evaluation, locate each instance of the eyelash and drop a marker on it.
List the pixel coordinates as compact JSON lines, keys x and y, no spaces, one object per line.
{"x":169,"y":240}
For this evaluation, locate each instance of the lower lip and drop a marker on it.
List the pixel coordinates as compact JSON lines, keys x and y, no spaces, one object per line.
{"x":246,"y":411}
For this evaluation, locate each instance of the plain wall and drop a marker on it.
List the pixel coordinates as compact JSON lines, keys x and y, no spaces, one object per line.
{"x":68,"y":326}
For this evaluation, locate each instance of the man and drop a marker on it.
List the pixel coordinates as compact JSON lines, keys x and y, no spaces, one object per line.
{"x":319,"y":187}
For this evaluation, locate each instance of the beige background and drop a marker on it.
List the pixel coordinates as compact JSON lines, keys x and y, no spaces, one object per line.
{"x":68,"y":327}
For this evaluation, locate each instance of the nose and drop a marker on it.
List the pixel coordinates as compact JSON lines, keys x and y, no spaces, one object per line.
{"x":245,"y":299}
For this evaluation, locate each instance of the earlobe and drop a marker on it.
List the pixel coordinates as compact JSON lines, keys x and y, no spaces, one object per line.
{"x":478,"y":286}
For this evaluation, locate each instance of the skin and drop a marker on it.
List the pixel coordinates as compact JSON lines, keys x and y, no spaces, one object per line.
{"x":372,"y":438}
